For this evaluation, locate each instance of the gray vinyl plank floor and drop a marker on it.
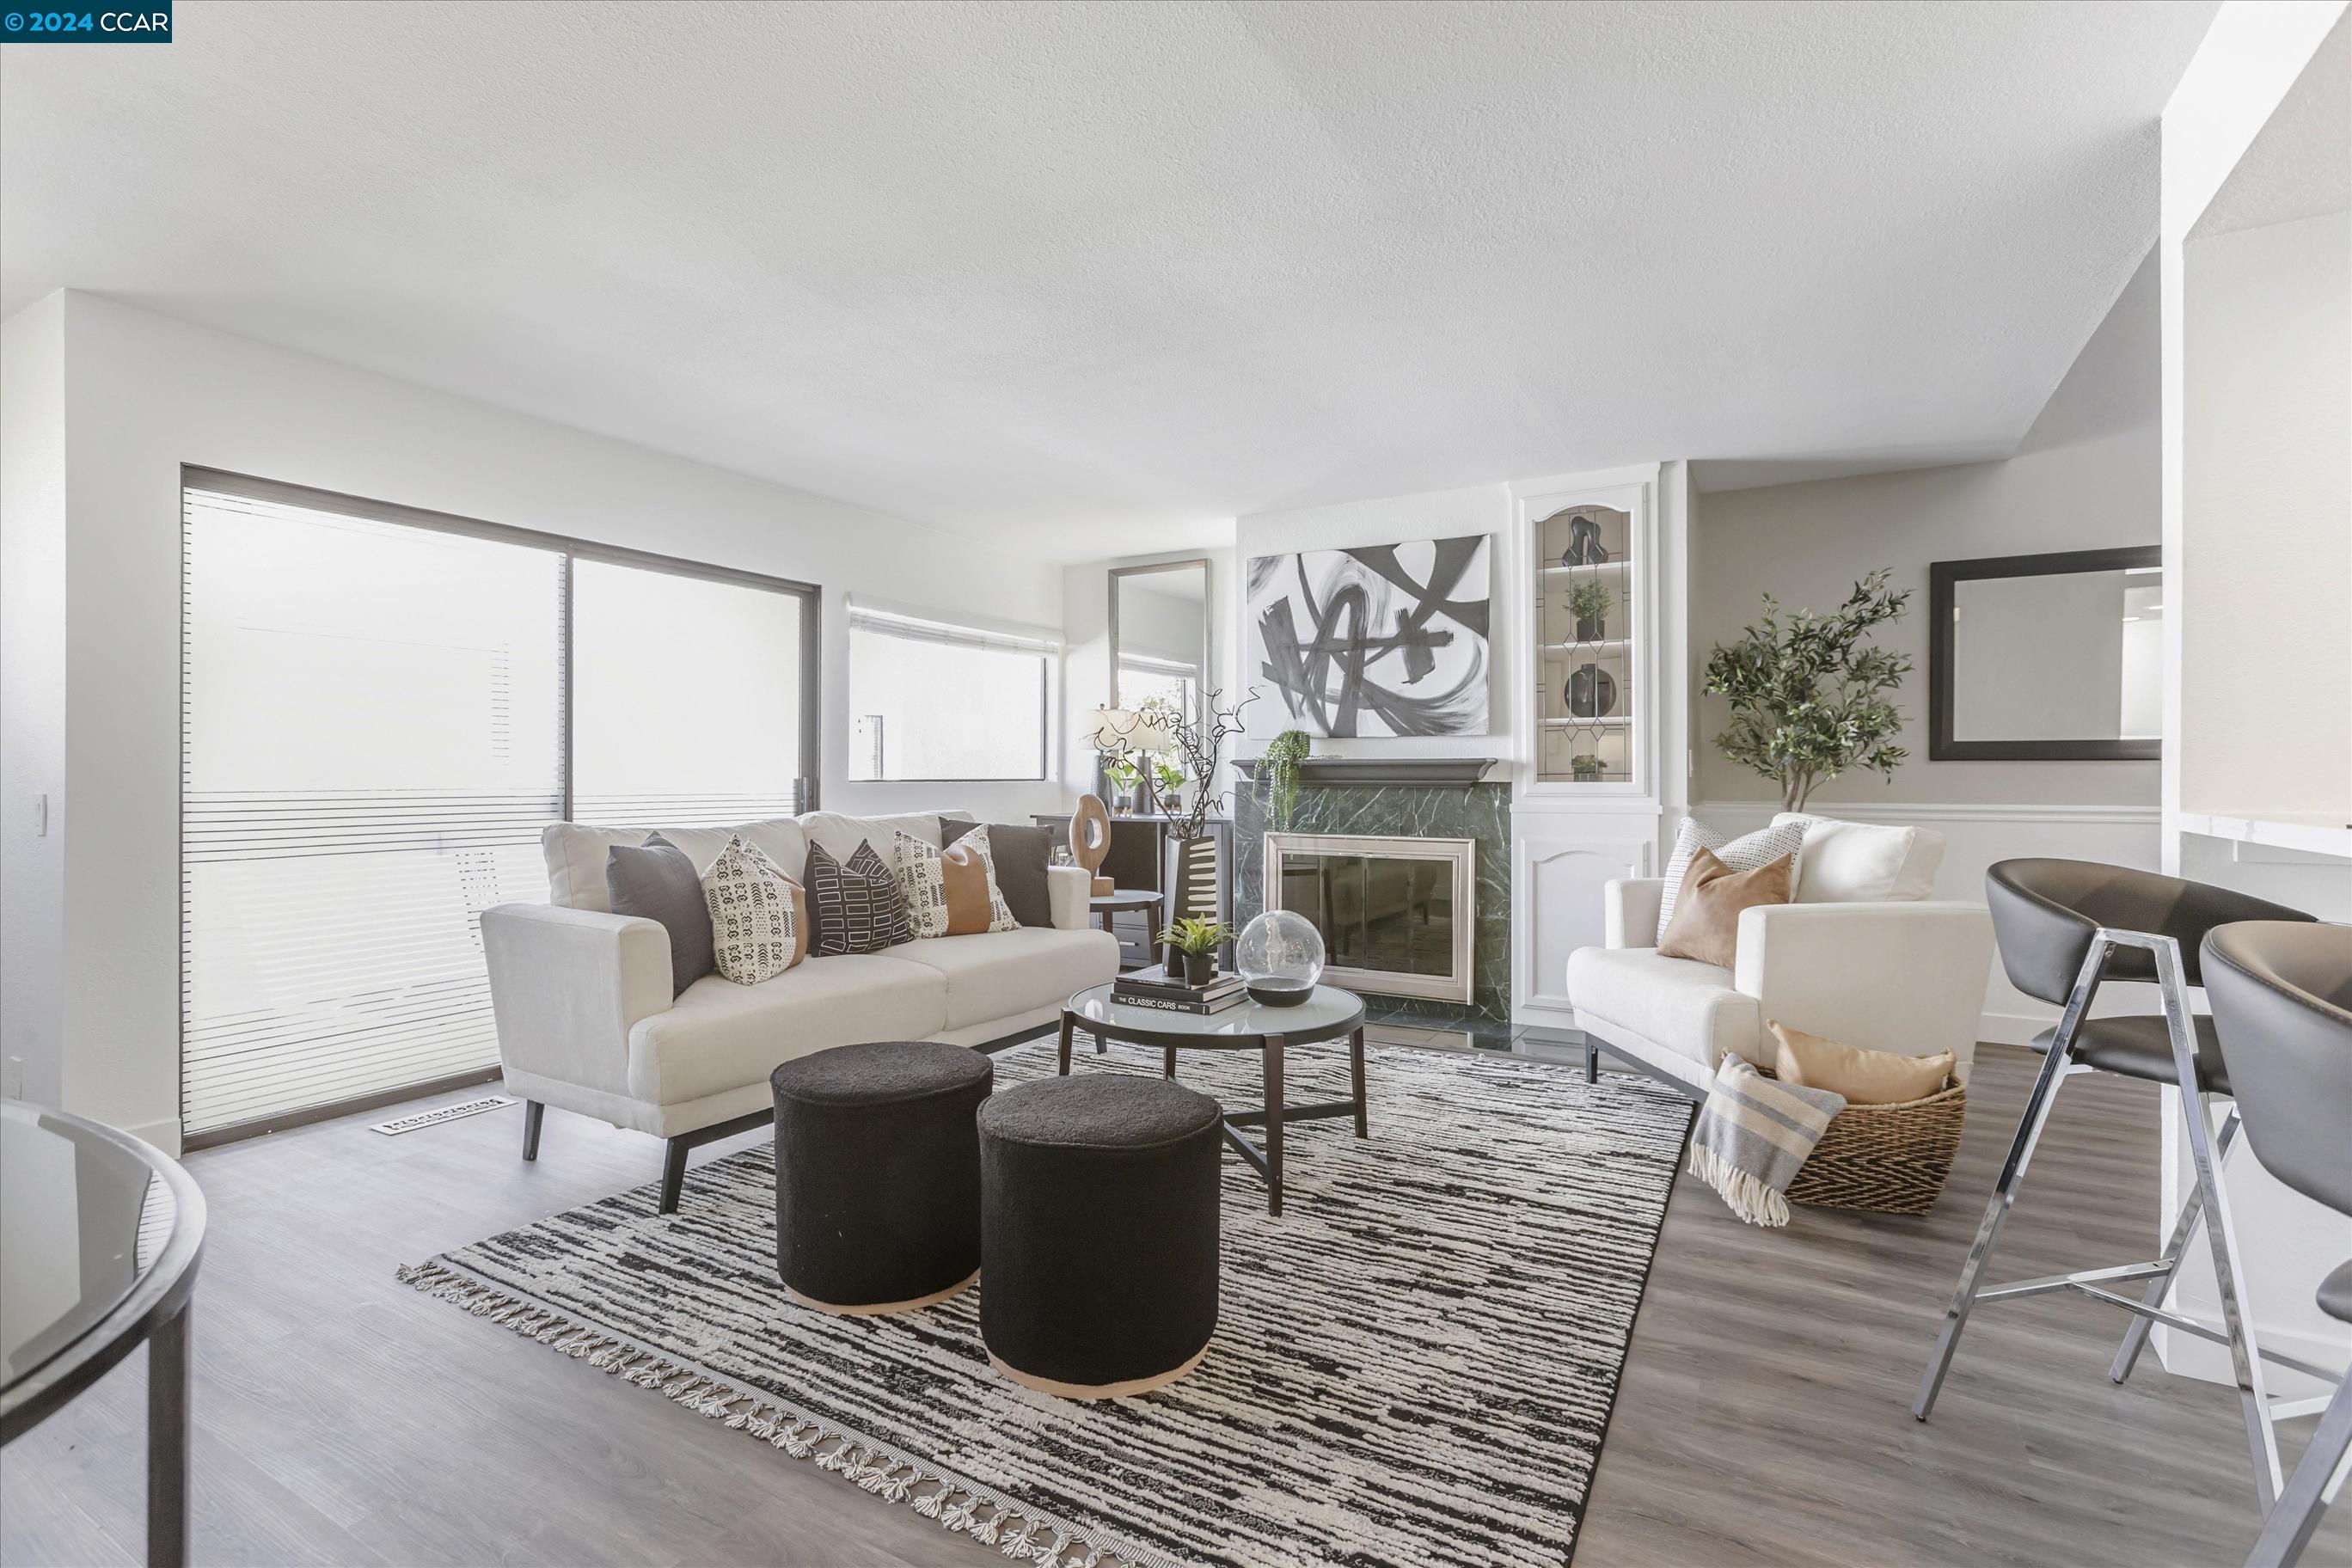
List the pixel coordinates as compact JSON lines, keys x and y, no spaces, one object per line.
{"x":339,"y":1418}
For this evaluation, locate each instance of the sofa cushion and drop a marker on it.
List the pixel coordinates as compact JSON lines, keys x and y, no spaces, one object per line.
{"x":1742,"y":854}
{"x":1707,"y":916}
{"x":758,"y":916}
{"x":576,"y":854}
{"x":1847,"y":862}
{"x":999,"y":973}
{"x":1686,"y":1007}
{"x":718,"y":1036}
{"x":842,"y":835}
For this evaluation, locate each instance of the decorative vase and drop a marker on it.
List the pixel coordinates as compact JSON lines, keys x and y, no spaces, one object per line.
{"x":1200,"y":968}
{"x":1588,"y":628}
{"x":1591,"y":691}
{"x":1584,"y":546}
{"x":1189,"y":879}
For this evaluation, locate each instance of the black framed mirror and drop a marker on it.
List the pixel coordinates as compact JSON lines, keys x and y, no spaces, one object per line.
{"x":2056,"y":657}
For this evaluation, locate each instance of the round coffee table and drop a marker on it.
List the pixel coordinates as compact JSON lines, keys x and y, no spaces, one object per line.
{"x":1327,"y":1015}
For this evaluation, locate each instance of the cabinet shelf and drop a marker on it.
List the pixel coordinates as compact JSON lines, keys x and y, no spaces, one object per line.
{"x":1607,"y":722}
{"x":1558,"y":570}
{"x":1600,"y":645}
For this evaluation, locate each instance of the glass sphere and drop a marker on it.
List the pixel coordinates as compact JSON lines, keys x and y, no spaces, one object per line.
{"x":1280,"y":956}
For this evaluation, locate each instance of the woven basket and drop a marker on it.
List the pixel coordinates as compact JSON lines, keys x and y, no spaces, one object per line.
{"x":1890,"y":1159}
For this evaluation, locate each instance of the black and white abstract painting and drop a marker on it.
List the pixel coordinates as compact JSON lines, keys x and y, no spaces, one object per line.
{"x":1387,"y":639}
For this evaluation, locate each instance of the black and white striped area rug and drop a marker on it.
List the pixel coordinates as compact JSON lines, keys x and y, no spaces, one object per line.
{"x":1415,"y":1364}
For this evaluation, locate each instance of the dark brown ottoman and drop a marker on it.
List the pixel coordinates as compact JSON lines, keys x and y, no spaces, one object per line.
{"x":877,"y":1175}
{"x":1099,"y":1233}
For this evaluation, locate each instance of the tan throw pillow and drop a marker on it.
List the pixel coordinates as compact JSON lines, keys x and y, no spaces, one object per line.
{"x":1865,"y":1078}
{"x":1706,"y":907}
{"x":758,"y":916}
{"x":964,"y":874}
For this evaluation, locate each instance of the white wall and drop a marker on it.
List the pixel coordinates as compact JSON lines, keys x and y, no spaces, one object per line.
{"x":2266,"y":550}
{"x":2086,"y":478}
{"x":1394,"y":520}
{"x":146,"y":394}
{"x":32,"y":695}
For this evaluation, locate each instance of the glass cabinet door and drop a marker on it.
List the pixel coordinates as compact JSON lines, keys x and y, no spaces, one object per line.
{"x":1587,"y":575}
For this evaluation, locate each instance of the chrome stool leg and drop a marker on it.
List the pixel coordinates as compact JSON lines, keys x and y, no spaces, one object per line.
{"x":2183,"y":1230}
{"x":2288,"y":1527}
{"x":2012,"y":1172}
{"x":2245,"y":1353}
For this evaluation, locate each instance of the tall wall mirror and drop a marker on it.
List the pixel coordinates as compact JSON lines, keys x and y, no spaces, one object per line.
{"x":1160,"y":634}
{"x":2056,"y":658}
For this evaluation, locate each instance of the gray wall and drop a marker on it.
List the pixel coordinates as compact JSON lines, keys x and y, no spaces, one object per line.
{"x":2086,"y":477}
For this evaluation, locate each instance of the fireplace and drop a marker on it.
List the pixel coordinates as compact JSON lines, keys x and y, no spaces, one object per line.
{"x":1397,"y":914}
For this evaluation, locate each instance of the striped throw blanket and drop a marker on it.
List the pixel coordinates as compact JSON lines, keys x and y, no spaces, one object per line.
{"x":1754,"y":1135}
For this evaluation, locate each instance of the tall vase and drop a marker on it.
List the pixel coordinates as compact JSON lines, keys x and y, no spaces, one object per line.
{"x":1189,"y":878}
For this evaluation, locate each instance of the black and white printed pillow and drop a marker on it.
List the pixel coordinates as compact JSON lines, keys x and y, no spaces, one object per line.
{"x":754,"y":923}
{"x":1760,"y":848}
{"x":857,"y":904}
{"x":923,"y":882}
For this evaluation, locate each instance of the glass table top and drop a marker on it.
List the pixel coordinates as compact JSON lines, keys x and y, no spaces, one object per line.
{"x":1328,"y":1011}
{"x":85,"y":1218}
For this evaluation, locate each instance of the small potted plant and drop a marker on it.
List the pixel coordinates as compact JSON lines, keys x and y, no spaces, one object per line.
{"x":1586,"y":766}
{"x":1192,"y":946}
{"x":1168,"y":781}
{"x":1589,"y":602}
{"x":1123,"y":774}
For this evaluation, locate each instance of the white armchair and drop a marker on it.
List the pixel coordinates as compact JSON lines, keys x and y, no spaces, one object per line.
{"x":1908,"y":977}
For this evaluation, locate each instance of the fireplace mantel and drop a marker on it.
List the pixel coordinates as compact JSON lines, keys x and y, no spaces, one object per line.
{"x":1423,"y":772}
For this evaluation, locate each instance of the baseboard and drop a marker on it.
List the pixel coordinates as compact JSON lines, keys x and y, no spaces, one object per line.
{"x":163,"y":1134}
{"x":2011,"y":1028}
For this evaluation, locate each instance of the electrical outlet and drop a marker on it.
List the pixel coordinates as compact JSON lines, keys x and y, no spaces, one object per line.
{"x":41,"y":818}
{"x":11,"y":1078}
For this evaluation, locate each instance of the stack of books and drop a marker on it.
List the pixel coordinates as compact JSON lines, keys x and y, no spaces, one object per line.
{"x":1155,"y":988}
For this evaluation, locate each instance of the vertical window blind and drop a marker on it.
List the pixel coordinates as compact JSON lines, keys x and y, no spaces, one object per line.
{"x":379,"y":718}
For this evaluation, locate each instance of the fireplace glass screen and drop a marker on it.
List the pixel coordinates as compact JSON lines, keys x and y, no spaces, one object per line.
{"x":1390,"y":920}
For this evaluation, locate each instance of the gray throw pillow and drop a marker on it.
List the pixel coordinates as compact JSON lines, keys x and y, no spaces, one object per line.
{"x":659,"y":882}
{"x":1020,"y":854}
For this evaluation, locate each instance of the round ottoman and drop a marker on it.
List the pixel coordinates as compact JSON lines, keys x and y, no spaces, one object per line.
{"x":1099,"y":1233}
{"x":877,"y":1175}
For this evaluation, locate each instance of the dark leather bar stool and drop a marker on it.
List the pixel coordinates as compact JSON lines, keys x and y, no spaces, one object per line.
{"x":2064,"y":927}
{"x":2282,"y":997}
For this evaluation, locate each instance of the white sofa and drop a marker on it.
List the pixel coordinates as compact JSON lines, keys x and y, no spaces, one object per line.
{"x":586,"y":1021}
{"x":1902,"y":976}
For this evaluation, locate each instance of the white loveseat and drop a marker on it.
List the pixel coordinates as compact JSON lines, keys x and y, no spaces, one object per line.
{"x":1895,"y":975}
{"x":586,"y":1021}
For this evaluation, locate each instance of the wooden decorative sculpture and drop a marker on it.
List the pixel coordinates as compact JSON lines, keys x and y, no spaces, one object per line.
{"x":1090,"y":840}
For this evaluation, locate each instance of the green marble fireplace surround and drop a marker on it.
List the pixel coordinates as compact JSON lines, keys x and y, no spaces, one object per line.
{"x":1402,"y":797}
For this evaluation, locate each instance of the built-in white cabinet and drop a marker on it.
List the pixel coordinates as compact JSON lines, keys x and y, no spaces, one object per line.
{"x":1594,"y":559}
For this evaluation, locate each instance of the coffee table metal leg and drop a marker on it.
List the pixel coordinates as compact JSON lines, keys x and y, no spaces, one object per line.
{"x":1356,"y":1078}
{"x":167,"y":1441}
{"x":1271,"y":1058}
{"x":1063,"y":1051}
{"x":1168,"y":1066}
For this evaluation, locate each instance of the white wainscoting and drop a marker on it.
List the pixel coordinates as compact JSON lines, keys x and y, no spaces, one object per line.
{"x":1559,"y":862}
{"x":1975,"y":836}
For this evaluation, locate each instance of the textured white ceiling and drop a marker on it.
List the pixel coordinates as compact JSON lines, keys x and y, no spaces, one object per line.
{"x":1088,"y":278}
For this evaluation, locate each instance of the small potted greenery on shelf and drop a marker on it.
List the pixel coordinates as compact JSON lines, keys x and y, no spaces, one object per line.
{"x":1192,"y":946}
{"x":1586,"y":767}
{"x":1122,"y":773}
{"x":1589,"y":602}
{"x":1168,"y":781}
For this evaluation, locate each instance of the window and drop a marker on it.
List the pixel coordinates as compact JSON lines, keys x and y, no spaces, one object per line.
{"x":381,"y":711}
{"x":686,"y":699}
{"x":1142,"y":677}
{"x":932,"y":701}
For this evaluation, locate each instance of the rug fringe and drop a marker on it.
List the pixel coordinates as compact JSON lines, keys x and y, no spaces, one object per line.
{"x":889,"y":1476}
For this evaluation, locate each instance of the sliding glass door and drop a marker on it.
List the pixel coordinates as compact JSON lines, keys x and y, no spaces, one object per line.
{"x":381,"y":711}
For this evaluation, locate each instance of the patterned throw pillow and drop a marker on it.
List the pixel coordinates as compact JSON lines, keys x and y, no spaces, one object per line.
{"x":923,"y":882}
{"x":1758,"y":848}
{"x":758,"y":925}
{"x":856,"y":904}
